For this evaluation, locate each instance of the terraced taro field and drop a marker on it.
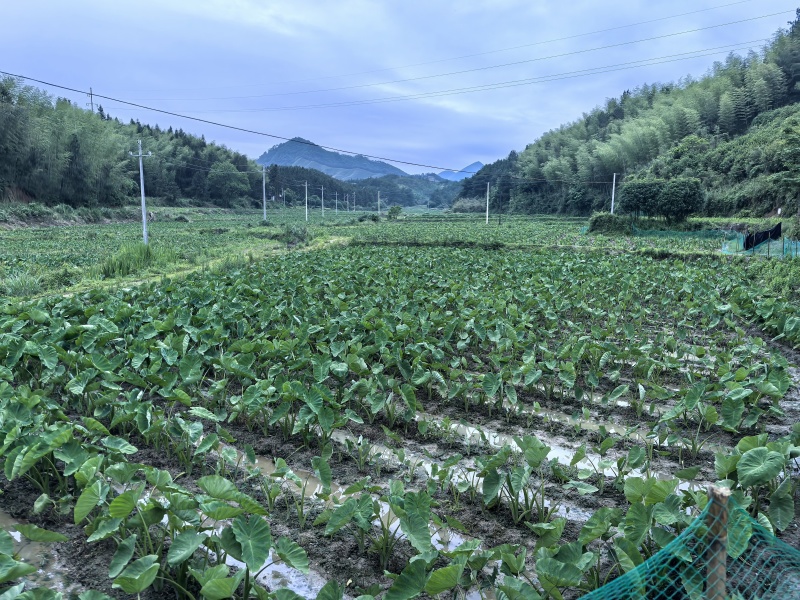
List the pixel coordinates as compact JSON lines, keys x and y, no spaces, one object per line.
{"x":389,"y":421}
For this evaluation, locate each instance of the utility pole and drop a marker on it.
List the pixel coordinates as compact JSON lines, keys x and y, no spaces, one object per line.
{"x":306,"y":202}
{"x":91,"y":99}
{"x":487,"y":202}
{"x":336,"y":195}
{"x":354,"y":202}
{"x":283,"y":195}
{"x":322,"y":187}
{"x":613,"y":187}
{"x":264,"y":188}
{"x":379,"y":203}
{"x":141,"y":186}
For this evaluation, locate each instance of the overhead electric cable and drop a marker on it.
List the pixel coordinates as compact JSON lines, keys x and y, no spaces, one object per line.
{"x":505,"y":84}
{"x":441,"y":60}
{"x":233,"y":127}
{"x":474,"y":69}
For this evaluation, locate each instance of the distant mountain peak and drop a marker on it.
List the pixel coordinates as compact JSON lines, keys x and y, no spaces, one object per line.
{"x":299,"y":152}
{"x":467,"y":171}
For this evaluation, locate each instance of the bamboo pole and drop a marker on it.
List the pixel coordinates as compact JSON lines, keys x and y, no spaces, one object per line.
{"x":717,"y":549}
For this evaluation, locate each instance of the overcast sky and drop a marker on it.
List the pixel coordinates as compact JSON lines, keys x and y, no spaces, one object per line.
{"x":373,"y":76}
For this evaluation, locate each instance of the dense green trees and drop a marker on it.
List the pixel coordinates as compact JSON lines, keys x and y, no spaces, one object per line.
{"x":55,"y":152}
{"x":674,"y":200}
{"x":726,"y":129}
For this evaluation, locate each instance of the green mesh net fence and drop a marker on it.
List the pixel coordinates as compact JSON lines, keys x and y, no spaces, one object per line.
{"x":702,"y":233}
{"x":723,"y":555}
{"x":782,"y":248}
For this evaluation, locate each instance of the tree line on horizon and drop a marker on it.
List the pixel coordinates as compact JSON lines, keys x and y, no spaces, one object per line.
{"x":736,"y":130}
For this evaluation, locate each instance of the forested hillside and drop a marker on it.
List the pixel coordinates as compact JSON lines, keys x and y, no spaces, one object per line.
{"x":55,"y":152}
{"x":736,"y":129}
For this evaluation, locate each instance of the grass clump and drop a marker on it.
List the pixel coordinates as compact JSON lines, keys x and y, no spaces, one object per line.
{"x":293,"y":234}
{"x":133,"y":258}
{"x":22,"y":284}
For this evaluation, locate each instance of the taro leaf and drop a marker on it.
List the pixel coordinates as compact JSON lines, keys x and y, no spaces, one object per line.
{"x":636,"y":457}
{"x":118,"y":444}
{"x":331,"y":591}
{"x":637,"y":522}
{"x":255,"y":538}
{"x":581,"y":487}
{"x":740,"y":529}
{"x":628,"y":554}
{"x":122,"y":556}
{"x":491,"y":384}
{"x":554,"y":573}
{"x":218,"y":487}
{"x":687,"y":474}
{"x":341,"y":516}
{"x":184,"y":545}
{"x":104,"y":528}
{"x":89,"y":498}
{"x":415,"y":522}
{"x":548,"y":533}
{"x":292,"y":554}
{"x":11,"y":569}
{"x":410,"y":583}
{"x":6,"y":543}
{"x":515,"y":589}
{"x":759,"y":466}
{"x":599,"y":524}
{"x":138,"y":575}
{"x":732,"y":412}
{"x":781,"y":505}
{"x":219,"y":511}
{"x":222,"y":588}
{"x":210,"y":442}
{"x":204,"y":413}
{"x":725,"y":464}
{"x":491,"y":486}
{"x":210,"y":573}
{"x":123,"y":505}
{"x":37,"y":534}
{"x":668,"y":512}
{"x":444,"y":579}
{"x":323,"y":470}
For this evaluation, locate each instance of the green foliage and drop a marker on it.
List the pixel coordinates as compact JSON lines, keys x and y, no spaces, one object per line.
{"x":394,"y":211}
{"x":469,"y":205}
{"x":134,"y":258}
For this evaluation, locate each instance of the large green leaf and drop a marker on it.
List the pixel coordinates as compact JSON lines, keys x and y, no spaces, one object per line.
{"x":331,"y":591}
{"x":292,"y":554}
{"x":410,"y":583}
{"x":254,"y":536}
{"x":37,"y":534}
{"x":218,"y":487}
{"x":6,"y":543}
{"x":222,"y":588}
{"x":122,"y":556}
{"x":415,"y":521}
{"x":11,"y":569}
{"x":184,"y":545}
{"x":759,"y":466}
{"x":444,"y":579}
{"x":89,"y":498}
{"x":138,"y":576}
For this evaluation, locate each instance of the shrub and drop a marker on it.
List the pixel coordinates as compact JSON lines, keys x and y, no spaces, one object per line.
{"x":469,"y":205}
{"x":133,"y":258}
{"x":293,"y":234}
{"x":604,"y":222}
{"x":22,"y":284}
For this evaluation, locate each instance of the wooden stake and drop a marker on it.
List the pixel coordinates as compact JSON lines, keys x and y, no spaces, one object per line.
{"x":717,"y":550}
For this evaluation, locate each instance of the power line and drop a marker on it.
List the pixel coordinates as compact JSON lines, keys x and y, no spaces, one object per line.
{"x":505,"y":84}
{"x":233,"y":127}
{"x":441,"y":60}
{"x":477,"y":69}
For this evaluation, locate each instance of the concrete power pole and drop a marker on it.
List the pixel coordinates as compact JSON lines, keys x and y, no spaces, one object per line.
{"x":487,"y":202}
{"x":613,"y":187}
{"x":336,"y":196}
{"x":322,"y":187}
{"x":264,"y":188}
{"x":140,"y":155}
{"x":306,"y":202}
{"x":379,"y":203}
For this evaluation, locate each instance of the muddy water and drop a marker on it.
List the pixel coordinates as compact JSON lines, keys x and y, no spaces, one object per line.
{"x":42,"y":556}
